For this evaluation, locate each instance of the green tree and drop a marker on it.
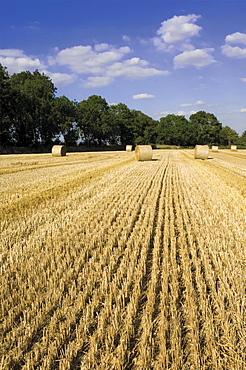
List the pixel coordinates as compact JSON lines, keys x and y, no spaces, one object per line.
{"x":93,"y":120}
{"x":144,"y":128}
{"x":33,"y":100}
{"x":175,"y":130}
{"x":228,"y":136}
{"x":6,"y":108}
{"x":122,"y":123}
{"x":64,"y":113}
{"x":206,"y":128}
{"x":165,"y":129}
{"x":150,"y":134}
{"x":243,"y":138}
{"x":185,"y":132}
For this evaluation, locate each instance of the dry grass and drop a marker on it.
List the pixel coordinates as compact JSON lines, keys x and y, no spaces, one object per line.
{"x":116,"y":264}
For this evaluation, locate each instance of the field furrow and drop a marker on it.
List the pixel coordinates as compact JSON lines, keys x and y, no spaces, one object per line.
{"x":124,"y":265}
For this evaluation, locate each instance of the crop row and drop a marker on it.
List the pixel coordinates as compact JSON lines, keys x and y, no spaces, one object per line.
{"x":143,"y":267}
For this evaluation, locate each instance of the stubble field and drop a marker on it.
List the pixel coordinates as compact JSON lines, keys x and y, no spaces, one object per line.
{"x":108,"y":263}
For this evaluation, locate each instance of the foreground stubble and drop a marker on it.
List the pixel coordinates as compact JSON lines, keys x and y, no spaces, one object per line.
{"x":139,"y":266}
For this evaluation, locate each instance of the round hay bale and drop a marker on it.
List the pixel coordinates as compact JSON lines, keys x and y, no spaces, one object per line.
{"x":233,"y":148}
{"x":59,"y":150}
{"x":143,"y":153}
{"x":201,"y":152}
{"x":129,"y":148}
{"x":215,"y":148}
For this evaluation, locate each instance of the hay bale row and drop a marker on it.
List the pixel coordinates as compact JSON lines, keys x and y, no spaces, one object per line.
{"x":59,"y":150}
{"x":201,"y":152}
{"x":143,"y":153}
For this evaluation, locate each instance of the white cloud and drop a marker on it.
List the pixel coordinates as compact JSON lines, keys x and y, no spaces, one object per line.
{"x":236,"y":38}
{"x":98,"y":81}
{"x":179,"y":28}
{"x":11,"y":53}
{"x":175,"y":33}
{"x":198,"y":58}
{"x":234,"y":51}
{"x":143,"y":96}
{"x":199,"y":102}
{"x":61,"y":79}
{"x":83,"y":59}
{"x":133,"y":68}
{"x":16,"y":61}
{"x":243,"y":79}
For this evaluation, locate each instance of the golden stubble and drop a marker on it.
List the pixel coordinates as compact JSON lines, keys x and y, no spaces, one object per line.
{"x":125,"y":265}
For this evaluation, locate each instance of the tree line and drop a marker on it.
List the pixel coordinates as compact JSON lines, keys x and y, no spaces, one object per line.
{"x":32,"y":116}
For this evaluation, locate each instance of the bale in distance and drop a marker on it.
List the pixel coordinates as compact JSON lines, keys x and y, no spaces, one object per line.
{"x":233,"y":148}
{"x":59,"y":150}
{"x":215,"y":148}
{"x":143,"y":153}
{"x":201,"y":152}
{"x":129,"y":148}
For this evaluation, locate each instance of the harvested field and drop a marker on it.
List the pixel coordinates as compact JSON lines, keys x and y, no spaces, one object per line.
{"x":111,"y":263}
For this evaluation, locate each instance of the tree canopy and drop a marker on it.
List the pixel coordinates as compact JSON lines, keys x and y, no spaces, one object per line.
{"x":228,"y":136}
{"x":206,"y":128}
{"x":175,"y":130}
{"x":32,"y":96}
{"x":6,"y":107}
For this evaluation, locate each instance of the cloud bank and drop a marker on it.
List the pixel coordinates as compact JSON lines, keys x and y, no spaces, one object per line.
{"x":104,"y":63}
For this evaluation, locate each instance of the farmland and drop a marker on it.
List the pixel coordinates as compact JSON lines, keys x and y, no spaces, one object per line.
{"x":110,"y":263}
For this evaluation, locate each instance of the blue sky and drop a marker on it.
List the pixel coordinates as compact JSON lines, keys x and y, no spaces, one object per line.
{"x":157,"y":56}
